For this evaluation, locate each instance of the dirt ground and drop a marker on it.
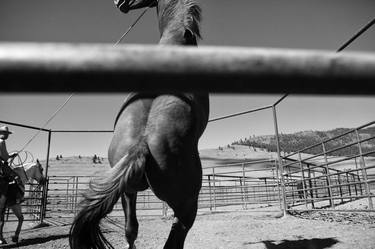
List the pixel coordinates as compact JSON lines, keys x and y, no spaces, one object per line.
{"x":256,"y":228}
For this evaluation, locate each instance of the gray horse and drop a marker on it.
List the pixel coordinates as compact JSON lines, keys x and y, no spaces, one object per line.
{"x":155,"y":145}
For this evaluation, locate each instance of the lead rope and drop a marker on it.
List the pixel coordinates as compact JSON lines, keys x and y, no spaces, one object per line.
{"x":355,"y":36}
{"x":62,"y":106}
{"x":46,"y":123}
{"x":132,"y":25}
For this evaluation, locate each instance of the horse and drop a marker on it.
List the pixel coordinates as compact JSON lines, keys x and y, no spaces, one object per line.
{"x":26,"y":173}
{"x":154,"y":145}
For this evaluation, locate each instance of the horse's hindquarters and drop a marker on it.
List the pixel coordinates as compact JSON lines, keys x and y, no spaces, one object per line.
{"x":174,"y":171}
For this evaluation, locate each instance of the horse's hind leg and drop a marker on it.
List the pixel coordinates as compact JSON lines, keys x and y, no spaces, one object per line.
{"x":2,"y":214}
{"x":129,"y":201}
{"x":184,"y":218}
{"x":18,"y":212}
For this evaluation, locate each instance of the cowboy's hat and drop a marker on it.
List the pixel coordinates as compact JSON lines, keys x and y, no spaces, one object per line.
{"x":5,"y":130}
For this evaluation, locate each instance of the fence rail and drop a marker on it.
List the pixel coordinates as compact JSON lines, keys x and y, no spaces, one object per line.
{"x":326,"y":179}
{"x":68,"y":67}
{"x":233,"y":185}
{"x":32,"y":206}
{"x":312,"y":181}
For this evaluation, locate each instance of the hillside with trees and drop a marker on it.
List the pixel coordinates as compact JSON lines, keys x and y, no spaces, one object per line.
{"x":300,"y":140}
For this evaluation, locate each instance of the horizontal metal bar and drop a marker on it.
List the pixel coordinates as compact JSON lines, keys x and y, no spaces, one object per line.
{"x":331,"y":210}
{"x":333,"y":138}
{"x":240,"y":113}
{"x":22,"y":125}
{"x":105,"y":68}
{"x":82,"y":131}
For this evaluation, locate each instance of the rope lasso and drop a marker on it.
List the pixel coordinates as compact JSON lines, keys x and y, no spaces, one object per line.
{"x":28,"y":158}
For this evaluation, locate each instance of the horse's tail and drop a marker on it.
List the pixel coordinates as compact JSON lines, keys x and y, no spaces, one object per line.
{"x":103,"y":194}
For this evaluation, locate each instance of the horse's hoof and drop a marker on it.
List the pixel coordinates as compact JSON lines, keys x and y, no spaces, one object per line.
{"x":15,"y":239}
{"x":130,"y":247}
{"x":3,"y":242}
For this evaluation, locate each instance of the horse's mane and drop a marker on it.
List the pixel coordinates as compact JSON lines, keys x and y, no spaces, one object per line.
{"x":188,"y":11}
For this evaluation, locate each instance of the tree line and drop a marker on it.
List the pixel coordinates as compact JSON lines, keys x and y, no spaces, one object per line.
{"x":300,"y":140}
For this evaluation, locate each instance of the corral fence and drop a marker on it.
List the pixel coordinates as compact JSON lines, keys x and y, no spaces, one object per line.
{"x":33,"y":206}
{"x":338,"y":170}
{"x":74,"y":68}
{"x":223,"y":186}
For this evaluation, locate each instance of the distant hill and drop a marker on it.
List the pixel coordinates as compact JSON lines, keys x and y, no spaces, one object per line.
{"x":300,"y":140}
{"x":84,"y":165}
{"x":252,"y":149}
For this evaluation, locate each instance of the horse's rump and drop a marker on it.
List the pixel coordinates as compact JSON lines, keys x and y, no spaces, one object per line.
{"x":199,"y":102}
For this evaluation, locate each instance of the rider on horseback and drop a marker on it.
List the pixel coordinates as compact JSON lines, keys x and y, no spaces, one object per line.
{"x":7,"y":175}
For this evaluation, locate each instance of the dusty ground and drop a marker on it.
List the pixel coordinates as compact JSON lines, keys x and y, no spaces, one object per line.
{"x":255,"y":228}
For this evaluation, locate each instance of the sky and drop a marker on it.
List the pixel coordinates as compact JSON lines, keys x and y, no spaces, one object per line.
{"x":294,"y":24}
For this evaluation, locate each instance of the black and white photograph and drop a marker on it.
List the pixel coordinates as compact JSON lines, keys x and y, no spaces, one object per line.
{"x":174,"y":124}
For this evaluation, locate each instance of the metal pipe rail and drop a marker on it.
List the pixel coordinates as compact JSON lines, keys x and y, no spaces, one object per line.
{"x":314,"y":165}
{"x":330,"y":139}
{"x":84,"y":67}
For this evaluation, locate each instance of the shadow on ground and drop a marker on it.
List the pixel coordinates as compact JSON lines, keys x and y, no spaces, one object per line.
{"x":35,"y":241}
{"x":301,"y":244}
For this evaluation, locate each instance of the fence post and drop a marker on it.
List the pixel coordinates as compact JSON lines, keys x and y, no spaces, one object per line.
{"x":364,"y":172}
{"x":328,"y":177}
{"x":281,"y":167}
{"x":45,"y":187}
{"x":244,"y":186}
{"x":242,"y":194}
{"x":165,"y":210}
{"x":275,"y":183}
{"x":214,"y":186}
{"x":210,"y":192}
{"x":68,"y":203}
{"x":357,"y":175}
{"x":339,"y":181}
{"x":310,"y":186}
{"x":349,"y":187}
{"x":355,"y":185}
{"x":265,"y":182}
{"x":303,"y":178}
{"x":43,"y":204}
{"x":360,"y":184}
{"x":76,"y":194}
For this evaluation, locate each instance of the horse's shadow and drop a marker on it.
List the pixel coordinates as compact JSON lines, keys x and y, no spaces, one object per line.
{"x":35,"y":241}
{"x":301,"y":244}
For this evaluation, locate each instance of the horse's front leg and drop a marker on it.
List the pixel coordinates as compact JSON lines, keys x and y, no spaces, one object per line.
{"x":2,"y":214}
{"x":18,"y":213}
{"x":129,"y":201}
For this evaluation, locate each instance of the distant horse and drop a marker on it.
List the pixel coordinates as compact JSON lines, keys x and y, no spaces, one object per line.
{"x":26,"y":173}
{"x":155,"y":145}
